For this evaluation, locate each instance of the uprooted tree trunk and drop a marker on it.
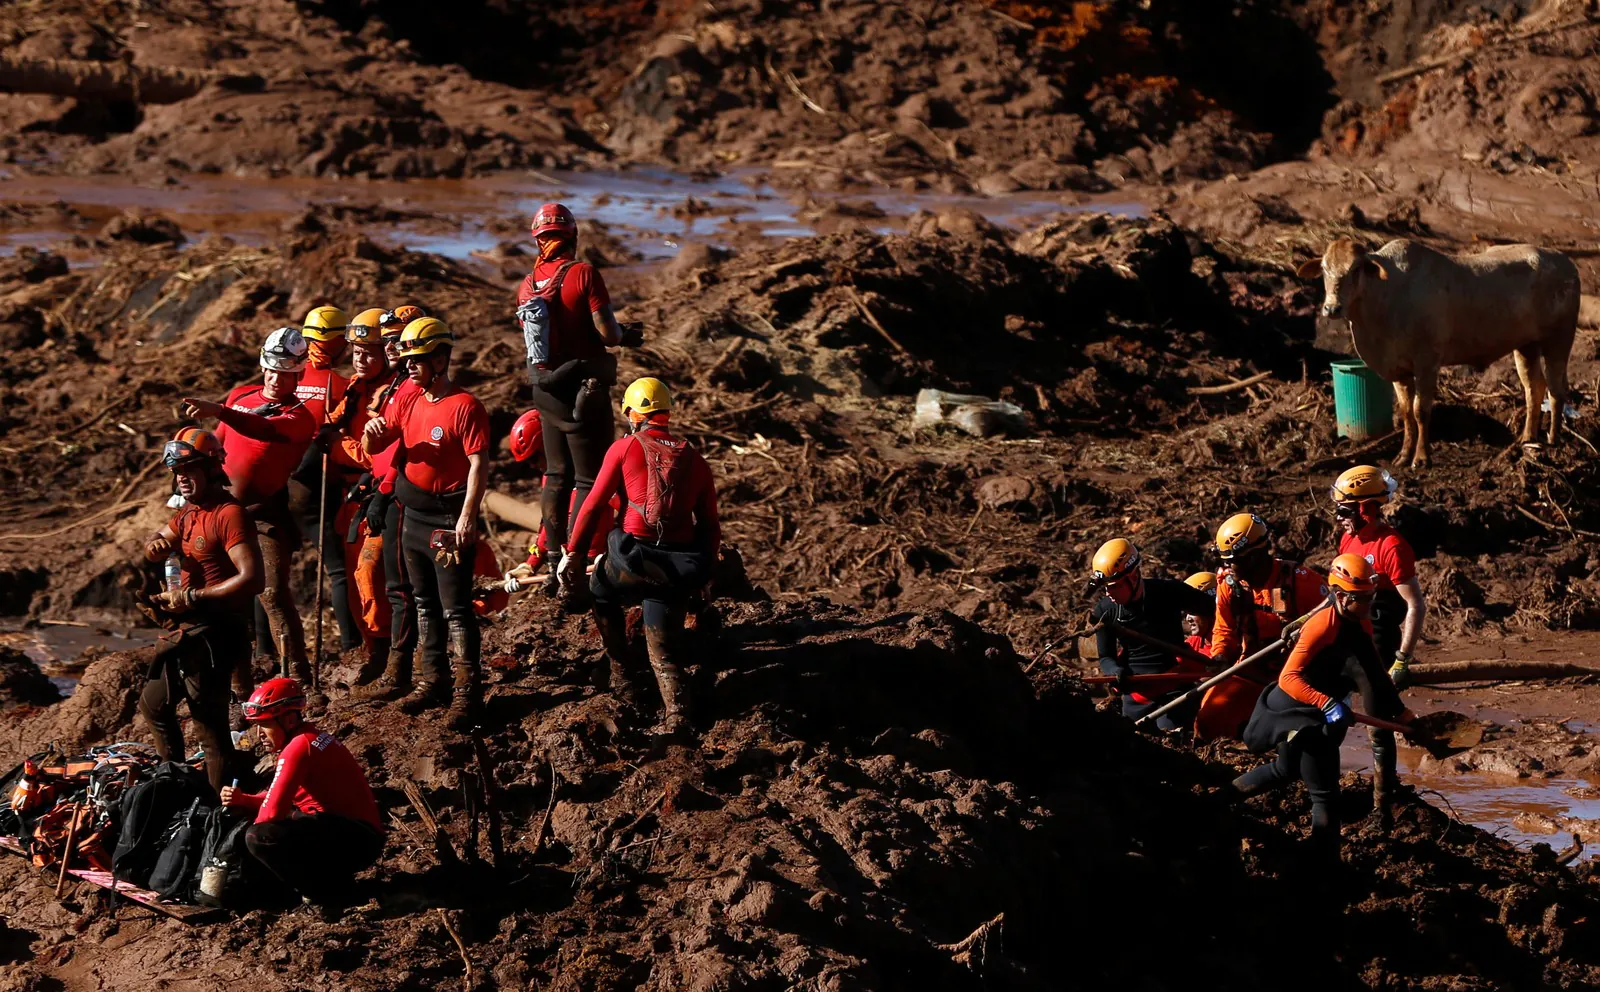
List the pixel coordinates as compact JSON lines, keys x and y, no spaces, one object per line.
{"x":1495,"y":670}
{"x":112,"y":81}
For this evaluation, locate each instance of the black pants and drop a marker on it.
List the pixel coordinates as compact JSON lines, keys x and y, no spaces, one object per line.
{"x":443,"y":597}
{"x":198,"y":667}
{"x":317,"y":855}
{"x":659,"y":579}
{"x":571,"y":461}
{"x":403,"y":609}
{"x":1311,"y":755}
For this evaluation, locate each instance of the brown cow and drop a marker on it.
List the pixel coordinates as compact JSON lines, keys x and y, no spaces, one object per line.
{"x":1412,"y":310}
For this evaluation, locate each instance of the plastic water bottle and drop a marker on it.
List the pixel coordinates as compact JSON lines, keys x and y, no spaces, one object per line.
{"x":174,"y":572}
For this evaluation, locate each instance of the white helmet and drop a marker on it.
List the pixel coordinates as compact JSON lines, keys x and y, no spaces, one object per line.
{"x":285,"y":350}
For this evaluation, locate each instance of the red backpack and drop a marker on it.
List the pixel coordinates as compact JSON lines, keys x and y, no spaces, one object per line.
{"x":664,"y":467}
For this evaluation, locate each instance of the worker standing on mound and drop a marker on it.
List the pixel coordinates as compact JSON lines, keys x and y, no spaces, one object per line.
{"x":1154,"y":607}
{"x":567,"y":323}
{"x":1198,"y":625}
{"x":220,"y":563}
{"x":1359,"y":496}
{"x":367,"y":598}
{"x":317,"y":824}
{"x":264,"y":431}
{"x":1304,"y":715}
{"x":442,"y":433}
{"x":1257,"y":594}
{"x":662,"y":554}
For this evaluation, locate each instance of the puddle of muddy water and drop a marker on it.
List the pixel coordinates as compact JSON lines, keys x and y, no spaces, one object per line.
{"x":58,"y":649}
{"x":455,"y":218}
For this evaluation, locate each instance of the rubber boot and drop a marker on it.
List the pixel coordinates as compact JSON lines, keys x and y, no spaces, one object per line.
{"x":674,"y":693}
{"x":1385,"y":777}
{"x":466,"y":690}
{"x":614,"y":636}
{"x":394,"y":680}
{"x":1325,"y":841}
{"x":376,"y":663}
{"x":427,"y":689}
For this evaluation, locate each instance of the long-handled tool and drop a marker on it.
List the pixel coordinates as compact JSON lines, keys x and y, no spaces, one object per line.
{"x":1150,"y":679}
{"x":316,"y":640}
{"x":1227,"y":673}
{"x":1178,"y":650}
{"x":72,"y":846}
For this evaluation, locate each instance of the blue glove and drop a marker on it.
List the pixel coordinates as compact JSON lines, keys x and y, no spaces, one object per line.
{"x":1335,"y":712}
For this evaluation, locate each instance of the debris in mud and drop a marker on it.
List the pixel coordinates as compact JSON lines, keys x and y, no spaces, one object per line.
{"x":21,"y":682}
{"x":144,"y":229}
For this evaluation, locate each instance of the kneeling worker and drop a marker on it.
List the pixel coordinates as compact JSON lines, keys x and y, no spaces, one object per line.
{"x":663,"y":553}
{"x":1154,"y":607}
{"x":1304,"y":714}
{"x":317,"y":824}
{"x":215,"y":543}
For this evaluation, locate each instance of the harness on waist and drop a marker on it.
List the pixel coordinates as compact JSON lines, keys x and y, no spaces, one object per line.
{"x":664,"y":468}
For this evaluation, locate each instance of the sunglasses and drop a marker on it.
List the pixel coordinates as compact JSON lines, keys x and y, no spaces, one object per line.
{"x":1358,"y":597}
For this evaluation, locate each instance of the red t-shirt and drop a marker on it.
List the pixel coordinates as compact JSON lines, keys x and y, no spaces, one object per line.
{"x":207,"y":530}
{"x":583,"y":293}
{"x":1385,"y":550}
{"x":384,"y":468}
{"x":262,"y":450}
{"x":625,"y":474}
{"x":436,"y":439}
{"x":316,"y":774}
{"x":320,"y":390}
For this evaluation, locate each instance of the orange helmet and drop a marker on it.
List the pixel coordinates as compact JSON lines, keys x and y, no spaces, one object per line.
{"x":1203,"y":581}
{"x":1240,"y":534}
{"x":365,"y":327}
{"x":395,"y":321}
{"x":1115,"y":559}
{"x":1362,"y":484}
{"x":192,"y":444}
{"x":1351,"y":573}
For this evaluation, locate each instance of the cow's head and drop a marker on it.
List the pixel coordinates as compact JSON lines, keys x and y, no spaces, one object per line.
{"x":1344,"y":267}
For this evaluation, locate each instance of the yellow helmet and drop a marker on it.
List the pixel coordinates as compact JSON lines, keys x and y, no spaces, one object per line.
{"x":324,"y":324}
{"x":1115,"y":559}
{"x":1241,"y":533}
{"x":1362,"y":484}
{"x":424,"y":336}
{"x":1203,"y":581}
{"x":647,"y":396}
{"x":365,"y":327}
{"x":1351,"y":573}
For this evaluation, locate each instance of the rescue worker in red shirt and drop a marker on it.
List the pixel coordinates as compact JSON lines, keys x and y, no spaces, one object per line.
{"x":565,"y":313}
{"x":1154,"y":607}
{"x":662,"y":554}
{"x":366,"y":599}
{"x":317,"y":825}
{"x":1304,"y":714}
{"x":1359,"y":496}
{"x":264,"y":431}
{"x":1257,"y":594}
{"x":1198,"y":625}
{"x":383,"y":514}
{"x":442,"y":433}
{"x":221,"y":573}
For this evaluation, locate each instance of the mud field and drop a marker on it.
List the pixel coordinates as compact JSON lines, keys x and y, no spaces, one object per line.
{"x":1089,"y":210}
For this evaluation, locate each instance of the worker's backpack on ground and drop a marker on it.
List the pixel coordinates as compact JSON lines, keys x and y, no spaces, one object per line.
{"x":147,"y":810}
{"x":534,"y":316}
{"x":179,"y":862}
{"x":51,"y":832}
{"x":223,"y":875}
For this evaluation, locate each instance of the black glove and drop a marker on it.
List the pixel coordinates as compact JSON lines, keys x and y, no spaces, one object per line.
{"x":361,"y":490}
{"x":326,"y":436}
{"x":377,"y":509}
{"x":632,"y":335}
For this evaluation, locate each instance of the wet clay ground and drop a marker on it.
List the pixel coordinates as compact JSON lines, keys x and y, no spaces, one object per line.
{"x":1088,"y":210}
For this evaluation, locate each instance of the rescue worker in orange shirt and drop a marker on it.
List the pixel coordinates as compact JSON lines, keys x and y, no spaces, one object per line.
{"x":1304,"y":714}
{"x":1257,"y":595}
{"x":443,"y":432}
{"x":221,"y":573}
{"x":264,"y":431}
{"x":1197,"y":626}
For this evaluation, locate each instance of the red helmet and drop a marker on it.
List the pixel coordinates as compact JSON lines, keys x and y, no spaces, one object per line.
{"x":554,"y":218}
{"x":527,"y":436}
{"x":272,"y":699}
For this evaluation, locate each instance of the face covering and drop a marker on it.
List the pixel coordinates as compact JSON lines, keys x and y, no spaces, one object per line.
{"x":554,"y":248}
{"x":324,"y":354}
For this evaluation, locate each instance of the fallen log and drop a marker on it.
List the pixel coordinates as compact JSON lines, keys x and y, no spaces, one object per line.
{"x":1495,"y":670}
{"x":513,"y":511}
{"x":113,"y":81}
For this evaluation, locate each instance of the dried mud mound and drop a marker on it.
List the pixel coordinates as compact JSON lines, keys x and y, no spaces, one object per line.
{"x":879,"y":802}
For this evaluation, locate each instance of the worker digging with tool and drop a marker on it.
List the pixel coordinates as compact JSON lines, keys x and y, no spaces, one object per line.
{"x":1197,"y":626}
{"x":662,"y":554}
{"x":1154,"y":607}
{"x":264,"y":431}
{"x":1257,"y":595}
{"x":442,"y":433}
{"x":568,"y":325}
{"x":209,"y":600}
{"x":1359,"y":496}
{"x":317,"y":824}
{"x":383,"y":514}
{"x":1304,"y":714}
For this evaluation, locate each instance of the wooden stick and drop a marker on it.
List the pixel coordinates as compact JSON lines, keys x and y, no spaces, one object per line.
{"x":1353,"y":453}
{"x":322,"y":530}
{"x":66,"y":855}
{"x":1494,"y":670}
{"x":1179,"y":650}
{"x":1071,"y":635}
{"x":442,"y":847}
{"x":491,"y":799}
{"x":1140,"y":679}
{"x":1399,"y":75}
{"x":862,"y":306}
{"x":468,"y":980}
{"x":1229,"y":387}
{"x":544,"y":820}
{"x":1550,"y":527}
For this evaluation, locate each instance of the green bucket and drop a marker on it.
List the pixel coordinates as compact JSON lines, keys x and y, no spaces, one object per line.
{"x":1363,"y":402}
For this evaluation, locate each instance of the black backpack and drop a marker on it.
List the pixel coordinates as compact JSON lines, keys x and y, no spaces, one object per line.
{"x":179,"y":861}
{"x":148,"y":808}
{"x":223,"y":855}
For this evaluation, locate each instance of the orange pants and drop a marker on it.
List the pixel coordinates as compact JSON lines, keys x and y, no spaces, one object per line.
{"x":1226,"y":708}
{"x":363,"y":560}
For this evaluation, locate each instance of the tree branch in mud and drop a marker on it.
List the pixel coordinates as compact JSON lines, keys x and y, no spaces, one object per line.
{"x":468,"y":979}
{"x":1495,"y":670}
{"x":1229,"y":387}
{"x":113,"y":81}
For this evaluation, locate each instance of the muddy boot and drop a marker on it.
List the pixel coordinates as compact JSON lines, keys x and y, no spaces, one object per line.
{"x":424,"y":696}
{"x":674,"y":692}
{"x":373,"y":667}
{"x":1385,"y":777}
{"x":392,"y":683}
{"x":428,"y":688}
{"x":466,"y":690}
{"x":614,"y":636}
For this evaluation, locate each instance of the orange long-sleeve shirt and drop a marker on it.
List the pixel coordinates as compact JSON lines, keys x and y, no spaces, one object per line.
{"x":1248,"y":619}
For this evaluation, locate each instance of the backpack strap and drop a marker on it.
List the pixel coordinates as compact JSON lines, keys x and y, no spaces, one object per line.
{"x":552,"y":286}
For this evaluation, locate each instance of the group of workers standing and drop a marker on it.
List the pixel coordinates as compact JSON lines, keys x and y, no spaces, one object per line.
{"x":1352,"y":626}
{"x":399,"y":451}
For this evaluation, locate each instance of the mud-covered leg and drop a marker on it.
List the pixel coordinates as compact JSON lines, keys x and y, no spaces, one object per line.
{"x":661,"y":626}
{"x":1402,"y":407}
{"x":1531,"y":373}
{"x":1555,"y":368}
{"x":610,"y":622}
{"x":1427,"y":385}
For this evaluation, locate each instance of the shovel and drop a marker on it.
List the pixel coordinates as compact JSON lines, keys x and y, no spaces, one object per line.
{"x":1442,"y":734}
